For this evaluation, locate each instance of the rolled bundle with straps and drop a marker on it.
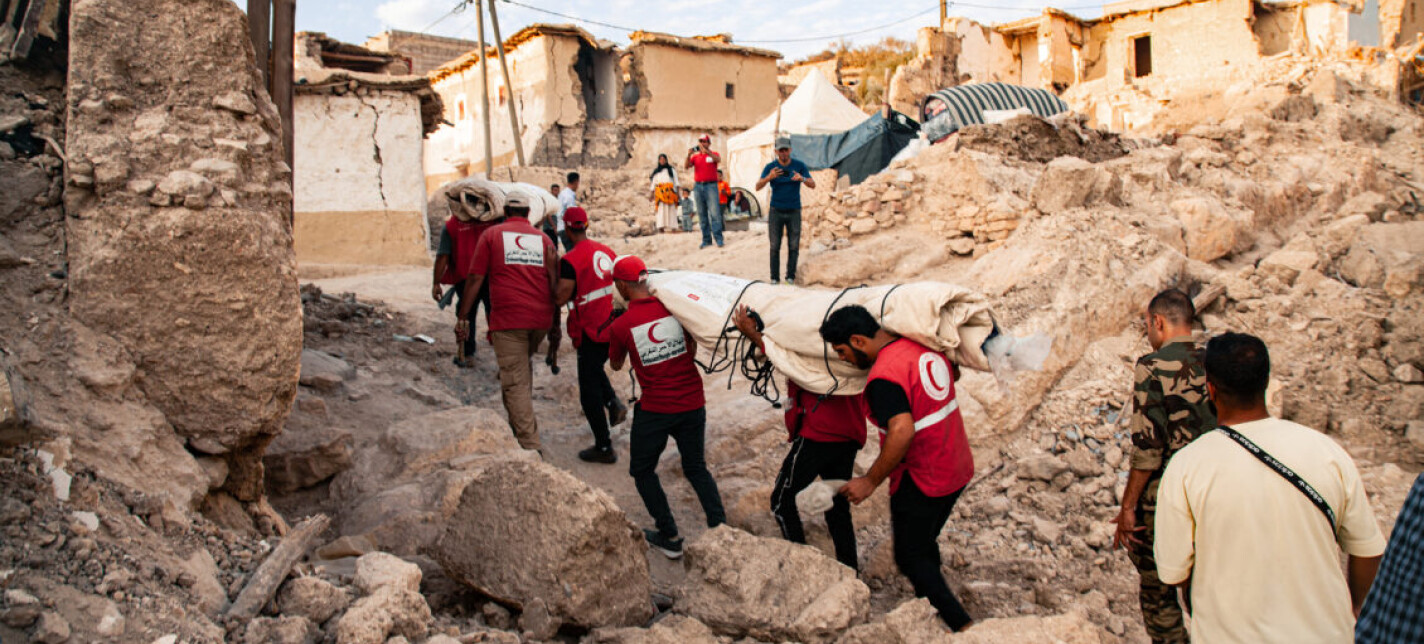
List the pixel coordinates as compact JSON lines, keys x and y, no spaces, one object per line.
{"x":946,"y":317}
{"x":479,"y":199}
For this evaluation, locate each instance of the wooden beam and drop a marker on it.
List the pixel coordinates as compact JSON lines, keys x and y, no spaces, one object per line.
{"x":509,"y":86}
{"x":284,"y":18}
{"x":29,"y":29}
{"x":274,"y":569}
{"x":259,"y":26}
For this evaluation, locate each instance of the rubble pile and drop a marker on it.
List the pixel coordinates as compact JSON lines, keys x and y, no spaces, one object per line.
{"x":144,"y":244}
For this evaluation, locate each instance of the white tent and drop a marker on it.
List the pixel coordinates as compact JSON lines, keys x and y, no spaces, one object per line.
{"x":816,"y":107}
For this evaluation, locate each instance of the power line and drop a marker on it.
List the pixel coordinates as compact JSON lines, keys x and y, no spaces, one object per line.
{"x":459,"y":7}
{"x":780,"y":40}
{"x":844,"y":35}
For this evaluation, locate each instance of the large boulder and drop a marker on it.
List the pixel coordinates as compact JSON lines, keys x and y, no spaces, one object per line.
{"x":1071,"y":182}
{"x":673,"y":629}
{"x":770,"y":589}
{"x":1388,"y":256}
{"x":1212,"y":231}
{"x":301,"y":458}
{"x":401,"y":492}
{"x":178,"y":228}
{"x":526,"y":530}
{"x":913,"y":622}
{"x":1073,"y":627}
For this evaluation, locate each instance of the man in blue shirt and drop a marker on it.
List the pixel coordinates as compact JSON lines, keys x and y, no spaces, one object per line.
{"x":786,"y":176}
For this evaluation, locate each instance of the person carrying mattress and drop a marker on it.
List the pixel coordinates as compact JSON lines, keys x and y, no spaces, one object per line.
{"x":825,"y":433}
{"x":672,"y":406}
{"x":924,"y":452}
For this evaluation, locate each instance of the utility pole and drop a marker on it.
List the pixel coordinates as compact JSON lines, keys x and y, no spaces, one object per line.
{"x":284,"y":20}
{"x":508,"y":85}
{"x":484,"y":88}
{"x":943,"y":13}
{"x":259,"y":24}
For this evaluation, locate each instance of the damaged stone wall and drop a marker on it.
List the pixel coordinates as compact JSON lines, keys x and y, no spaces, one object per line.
{"x":360,"y":181}
{"x":546,"y":91}
{"x":186,"y":325}
{"x":687,"y":88}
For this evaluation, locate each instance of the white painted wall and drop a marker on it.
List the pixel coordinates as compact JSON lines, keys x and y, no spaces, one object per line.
{"x":359,"y":180}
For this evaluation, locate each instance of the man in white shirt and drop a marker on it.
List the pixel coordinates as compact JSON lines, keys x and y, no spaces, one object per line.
{"x":568,"y":198}
{"x":1258,"y":557}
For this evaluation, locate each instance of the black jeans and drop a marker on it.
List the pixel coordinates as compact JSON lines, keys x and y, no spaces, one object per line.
{"x":916,"y":521}
{"x":647,"y":440}
{"x":595,"y":392}
{"x":790,"y":221}
{"x":807,"y":460}
{"x":483,"y":297}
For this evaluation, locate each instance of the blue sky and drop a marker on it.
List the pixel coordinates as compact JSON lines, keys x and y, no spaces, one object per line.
{"x":752,"y":22}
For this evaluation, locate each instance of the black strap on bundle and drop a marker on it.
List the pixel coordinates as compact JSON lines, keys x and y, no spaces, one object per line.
{"x":1285,"y":472}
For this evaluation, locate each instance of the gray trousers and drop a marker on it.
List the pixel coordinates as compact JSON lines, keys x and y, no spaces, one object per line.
{"x":789,"y":220}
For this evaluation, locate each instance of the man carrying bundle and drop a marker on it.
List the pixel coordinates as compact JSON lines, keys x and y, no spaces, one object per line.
{"x":825,"y":432}
{"x":924,"y":451}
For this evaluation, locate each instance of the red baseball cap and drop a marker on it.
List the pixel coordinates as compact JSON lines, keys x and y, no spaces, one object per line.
{"x":705,"y":137}
{"x":628,"y":268}
{"x":576,"y":217}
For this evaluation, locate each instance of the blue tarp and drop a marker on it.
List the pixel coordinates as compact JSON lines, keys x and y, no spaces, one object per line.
{"x":860,"y":151}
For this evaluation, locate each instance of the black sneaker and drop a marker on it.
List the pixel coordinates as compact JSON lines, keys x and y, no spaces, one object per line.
{"x":617,"y":413}
{"x":671,"y":548}
{"x":775,"y":281}
{"x":598,"y":454}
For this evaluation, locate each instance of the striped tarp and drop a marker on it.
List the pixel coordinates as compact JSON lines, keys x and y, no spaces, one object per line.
{"x":965,"y":105}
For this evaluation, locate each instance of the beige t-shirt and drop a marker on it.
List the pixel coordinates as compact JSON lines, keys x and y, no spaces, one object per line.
{"x":1263,"y":563}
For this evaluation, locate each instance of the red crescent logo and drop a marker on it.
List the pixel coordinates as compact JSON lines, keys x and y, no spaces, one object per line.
{"x":517,"y":240}
{"x":932,"y":370}
{"x":653,"y":338}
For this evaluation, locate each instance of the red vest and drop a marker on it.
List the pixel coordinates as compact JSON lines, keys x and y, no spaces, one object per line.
{"x":939,"y":459}
{"x":591,"y":309}
{"x":464,"y":236}
{"x":836,"y":419}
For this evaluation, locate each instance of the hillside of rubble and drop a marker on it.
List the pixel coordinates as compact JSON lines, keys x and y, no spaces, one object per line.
{"x":194,"y":447}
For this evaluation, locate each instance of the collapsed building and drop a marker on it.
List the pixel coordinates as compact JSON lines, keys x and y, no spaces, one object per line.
{"x":360,"y":118}
{"x":587,"y":103}
{"x":1119,"y":68}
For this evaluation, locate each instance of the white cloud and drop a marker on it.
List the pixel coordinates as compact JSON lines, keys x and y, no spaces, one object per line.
{"x":413,"y":15}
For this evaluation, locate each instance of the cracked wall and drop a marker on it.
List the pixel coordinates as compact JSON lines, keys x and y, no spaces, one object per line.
{"x":359,"y":185}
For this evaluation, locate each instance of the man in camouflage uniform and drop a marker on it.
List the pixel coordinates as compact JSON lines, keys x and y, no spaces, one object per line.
{"x":1170,"y":408}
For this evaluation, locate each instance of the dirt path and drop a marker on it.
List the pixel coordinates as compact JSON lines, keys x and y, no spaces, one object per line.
{"x":562,"y":426}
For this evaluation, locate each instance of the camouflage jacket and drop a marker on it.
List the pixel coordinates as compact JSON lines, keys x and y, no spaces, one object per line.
{"x":1170,"y":408}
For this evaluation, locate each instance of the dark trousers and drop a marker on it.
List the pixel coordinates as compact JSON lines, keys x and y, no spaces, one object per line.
{"x":595,"y":392}
{"x":807,"y":460}
{"x":567,"y":241}
{"x":483,"y":297}
{"x":1161,"y":614}
{"x":647,"y":440}
{"x":915,"y":522}
{"x":789,"y":220}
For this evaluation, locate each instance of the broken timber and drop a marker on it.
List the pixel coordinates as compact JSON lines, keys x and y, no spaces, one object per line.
{"x":263,"y":585}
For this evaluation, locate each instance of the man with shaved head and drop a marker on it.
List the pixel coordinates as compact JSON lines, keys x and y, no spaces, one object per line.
{"x":1170,"y":409}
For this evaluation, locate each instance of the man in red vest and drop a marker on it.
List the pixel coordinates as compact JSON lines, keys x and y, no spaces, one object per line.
{"x":672,"y":406}
{"x":519,"y":263}
{"x":924,"y":451}
{"x":452,"y":266}
{"x":586,"y":284}
{"x":825,"y":432}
